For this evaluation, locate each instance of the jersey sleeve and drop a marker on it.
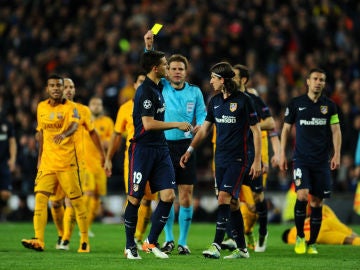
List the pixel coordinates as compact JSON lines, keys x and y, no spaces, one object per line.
{"x":200,"y":112}
{"x":334,"y":118}
{"x":210,"y":111}
{"x":88,"y":123}
{"x":261,"y":108}
{"x":290,"y":113}
{"x":147,"y":103}
{"x":120,"y":123}
{"x":251,"y":111}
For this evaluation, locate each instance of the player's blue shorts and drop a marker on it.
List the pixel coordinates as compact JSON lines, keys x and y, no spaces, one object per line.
{"x":183,"y":176}
{"x":256,"y":184}
{"x":151,"y":164}
{"x":316,"y":178}
{"x":230,"y":178}
{"x":5,"y":176}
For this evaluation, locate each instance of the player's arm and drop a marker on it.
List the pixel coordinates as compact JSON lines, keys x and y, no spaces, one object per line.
{"x":275,"y":144}
{"x":114,"y":145}
{"x":96,"y":140}
{"x":150,"y":123}
{"x":199,"y":137}
{"x":285,"y":133}
{"x":267,"y":124}
{"x":13,"y":151}
{"x":40,"y":139}
{"x":255,"y":169}
{"x":337,"y":138}
{"x":68,"y":132}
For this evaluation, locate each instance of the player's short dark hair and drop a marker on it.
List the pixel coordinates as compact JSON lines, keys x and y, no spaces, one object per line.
{"x":318,"y":70}
{"x":149,"y":59}
{"x":285,"y":236}
{"x":225,"y":71}
{"x":137,"y":74}
{"x":243,"y":71}
{"x":179,"y":58}
{"x":55,"y":77}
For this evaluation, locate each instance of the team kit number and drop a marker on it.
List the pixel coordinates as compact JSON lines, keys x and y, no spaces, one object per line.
{"x":297,"y":176}
{"x":137,"y":177}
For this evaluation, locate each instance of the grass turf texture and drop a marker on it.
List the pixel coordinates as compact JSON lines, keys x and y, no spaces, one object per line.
{"x":107,"y":249}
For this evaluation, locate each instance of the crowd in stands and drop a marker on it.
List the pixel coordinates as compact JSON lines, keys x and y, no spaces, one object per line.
{"x":98,"y":44}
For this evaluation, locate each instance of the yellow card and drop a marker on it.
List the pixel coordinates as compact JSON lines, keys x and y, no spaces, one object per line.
{"x":156,"y":28}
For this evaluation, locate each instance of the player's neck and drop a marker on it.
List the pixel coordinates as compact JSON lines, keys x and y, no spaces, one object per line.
{"x":152,"y":76}
{"x":55,"y":102}
{"x":314,"y":97}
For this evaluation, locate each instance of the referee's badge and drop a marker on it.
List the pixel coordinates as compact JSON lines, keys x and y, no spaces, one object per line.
{"x":324,"y":109}
{"x":233,"y":107}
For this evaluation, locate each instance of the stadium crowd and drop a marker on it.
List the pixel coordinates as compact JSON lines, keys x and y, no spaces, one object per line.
{"x":98,"y":44}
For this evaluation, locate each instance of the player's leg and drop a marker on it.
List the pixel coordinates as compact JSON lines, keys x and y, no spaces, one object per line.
{"x":69,"y":224}
{"x":144,"y":214}
{"x":185,"y":216}
{"x":163,"y":180}
{"x":57,"y":212}
{"x":70,"y":183}
{"x":169,"y":244}
{"x":45,"y":184}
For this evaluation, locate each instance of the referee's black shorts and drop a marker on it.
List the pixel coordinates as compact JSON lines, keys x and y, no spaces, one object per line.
{"x":183,"y":176}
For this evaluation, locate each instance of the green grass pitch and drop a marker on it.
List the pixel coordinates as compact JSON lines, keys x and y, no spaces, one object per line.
{"x":108,"y":245}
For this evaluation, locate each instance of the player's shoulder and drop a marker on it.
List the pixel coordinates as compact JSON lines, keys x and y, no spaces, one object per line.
{"x":192,"y":86}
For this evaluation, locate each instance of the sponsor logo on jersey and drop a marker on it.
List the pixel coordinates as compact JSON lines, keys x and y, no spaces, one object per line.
{"x":313,"y":122}
{"x":226,"y":119}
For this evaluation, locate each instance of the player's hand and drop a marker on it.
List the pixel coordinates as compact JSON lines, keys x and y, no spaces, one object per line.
{"x":283,"y":162}
{"x":255,"y":170}
{"x":264,"y":167}
{"x":149,"y":40}
{"x":59,"y":138}
{"x":335,"y":162}
{"x":185,"y":126}
{"x":12,"y":165}
{"x":275,"y":161}
{"x":184,"y":159}
{"x":196,"y":129}
{"x":108,"y":167}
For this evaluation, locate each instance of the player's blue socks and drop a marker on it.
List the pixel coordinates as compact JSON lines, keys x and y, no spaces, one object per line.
{"x":185,"y":218}
{"x":221,"y":222}
{"x":158,"y":220}
{"x":261,"y":210}
{"x":130,"y":216}
{"x":168,"y":229}
{"x":300,"y":215}
{"x":315,"y":223}
{"x":237,"y":228}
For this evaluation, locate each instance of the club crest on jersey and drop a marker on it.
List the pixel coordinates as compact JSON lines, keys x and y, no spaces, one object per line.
{"x":324,"y":109}
{"x":233,"y":107}
{"x":136,"y":187}
{"x":297,"y":182}
{"x":59,"y":116}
